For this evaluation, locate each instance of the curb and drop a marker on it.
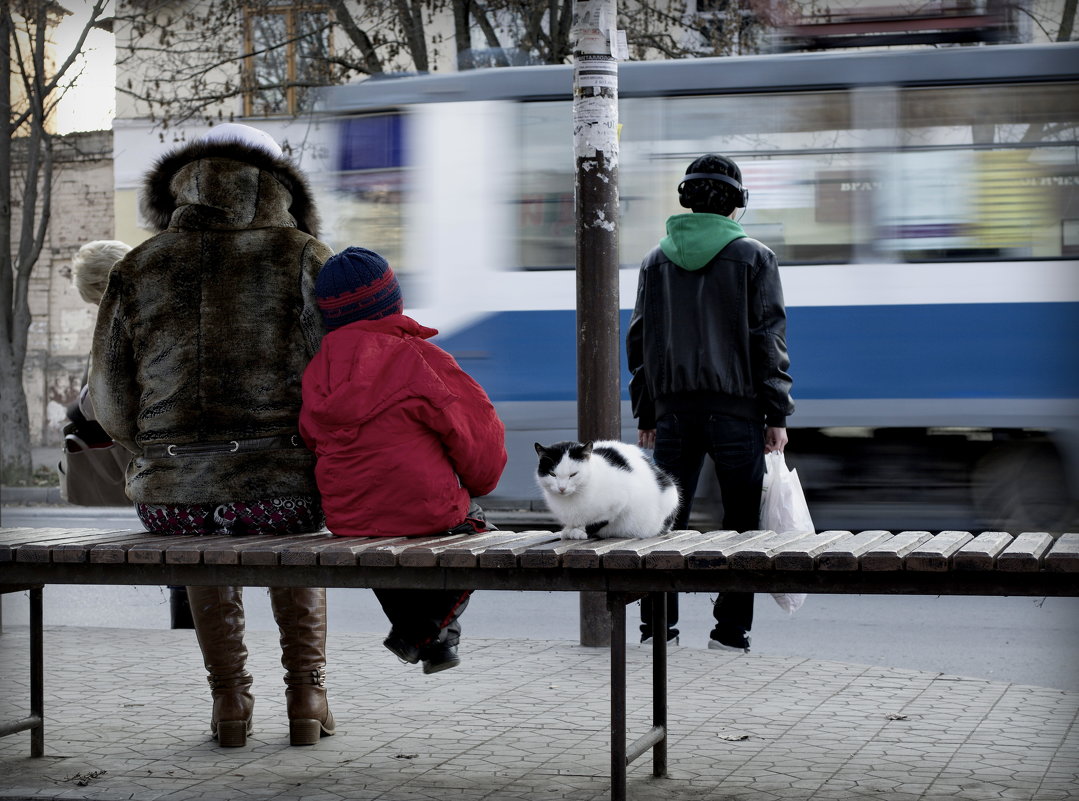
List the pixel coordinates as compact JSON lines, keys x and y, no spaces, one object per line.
{"x":32,"y":495}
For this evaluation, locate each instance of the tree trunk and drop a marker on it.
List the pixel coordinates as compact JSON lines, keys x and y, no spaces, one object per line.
{"x":411,"y":16}
{"x":1067,"y":21}
{"x":36,"y":168}
{"x":479,"y":13}
{"x":15,"y":463}
{"x":358,"y":36}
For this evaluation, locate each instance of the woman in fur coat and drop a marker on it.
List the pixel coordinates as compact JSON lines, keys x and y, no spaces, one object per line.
{"x":202,"y":338}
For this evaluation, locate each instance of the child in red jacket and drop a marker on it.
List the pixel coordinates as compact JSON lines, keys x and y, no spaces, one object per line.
{"x":404,"y":439}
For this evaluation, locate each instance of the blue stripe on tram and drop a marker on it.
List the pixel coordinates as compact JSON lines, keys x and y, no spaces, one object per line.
{"x":986,"y":350}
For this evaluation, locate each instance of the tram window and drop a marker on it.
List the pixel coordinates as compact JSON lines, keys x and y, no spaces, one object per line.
{"x":834,"y":176}
{"x":782,"y":142}
{"x":544,"y":193}
{"x":369,"y":194}
{"x":983,"y":172}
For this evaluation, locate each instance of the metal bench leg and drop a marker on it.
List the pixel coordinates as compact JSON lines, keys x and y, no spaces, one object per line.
{"x":656,"y":737}
{"x":35,"y":721}
{"x":617,"y":605}
{"x":659,"y":682}
{"x":37,"y":674}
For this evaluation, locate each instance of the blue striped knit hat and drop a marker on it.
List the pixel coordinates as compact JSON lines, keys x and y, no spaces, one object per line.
{"x":356,"y":284}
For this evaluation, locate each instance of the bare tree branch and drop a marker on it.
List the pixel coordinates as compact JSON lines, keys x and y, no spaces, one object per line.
{"x":371,"y":63}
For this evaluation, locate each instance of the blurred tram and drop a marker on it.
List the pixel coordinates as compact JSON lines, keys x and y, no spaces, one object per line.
{"x":924,"y":205}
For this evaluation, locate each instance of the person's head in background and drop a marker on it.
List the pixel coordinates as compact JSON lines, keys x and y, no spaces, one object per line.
{"x":91,"y":265}
{"x":713,"y":185}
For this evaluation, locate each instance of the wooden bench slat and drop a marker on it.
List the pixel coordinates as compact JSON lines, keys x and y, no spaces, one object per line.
{"x":22,"y":536}
{"x":632,"y":554}
{"x":588,"y":554}
{"x":846,"y":554}
{"x":427,"y":554}
{"x":188,"y":549}
{"x":506,"y":556}
{"x":672,"y":556}
{"x":936,"y":554}
{"x":269,"y":553}
{"x":115,"y":551}
{"x":352,"y":551}
{"x":1064,"y":555}
{"x":176,"y":548}
{"x":715,"y":556}
{"x":758,"y":554}
{"x":802,"y":555}
{"x":889,"y":555}
{"x":390,"y":555}
{"x":549,"y":554}
{"x":466,"y":554}
{"x":78,"y":551}
{"x":576,"y":554}
{"x":982,"y":552}
{"x":40,"y":550}
{"x":10,"y":535}
{"x":39,"y":536}
{"x":304,"y":554}
{"x":1025,"y":553}
{"x":227,"y":550}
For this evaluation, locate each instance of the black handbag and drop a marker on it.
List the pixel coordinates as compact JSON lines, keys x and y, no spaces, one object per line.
{"x":93,"y":475}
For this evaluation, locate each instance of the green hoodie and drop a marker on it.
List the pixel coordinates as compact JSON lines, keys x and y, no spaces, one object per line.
{"x":693,"y":240}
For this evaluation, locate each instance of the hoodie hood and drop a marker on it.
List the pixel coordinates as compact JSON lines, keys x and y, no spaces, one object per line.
{"x":693,"y":240}
{"x":365,"y":367}
{"x":223,"y":182}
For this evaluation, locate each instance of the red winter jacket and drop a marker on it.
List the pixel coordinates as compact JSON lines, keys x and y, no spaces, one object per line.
{"x":403,"y":435}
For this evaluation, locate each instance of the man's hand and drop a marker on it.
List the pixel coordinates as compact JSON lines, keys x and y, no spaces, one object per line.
{"x":646,"y":438}
{"x":775,"y":439}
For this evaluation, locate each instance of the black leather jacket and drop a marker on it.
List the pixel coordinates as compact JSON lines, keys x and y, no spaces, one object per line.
{"x":712,"y":339}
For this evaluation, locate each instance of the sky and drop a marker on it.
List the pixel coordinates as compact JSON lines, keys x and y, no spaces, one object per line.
{"x":90,"y":104}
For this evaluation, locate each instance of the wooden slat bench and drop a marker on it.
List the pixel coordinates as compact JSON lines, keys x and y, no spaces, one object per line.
{"x":871,"y":562}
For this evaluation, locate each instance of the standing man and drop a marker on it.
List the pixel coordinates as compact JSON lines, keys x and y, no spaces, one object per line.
{"x":708,"y":354}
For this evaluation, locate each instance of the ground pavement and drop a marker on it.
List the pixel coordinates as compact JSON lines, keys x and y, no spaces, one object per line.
{"x":525,"y":720}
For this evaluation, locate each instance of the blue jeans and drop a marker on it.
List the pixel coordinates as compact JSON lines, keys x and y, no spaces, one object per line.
{"x":736,"y":447}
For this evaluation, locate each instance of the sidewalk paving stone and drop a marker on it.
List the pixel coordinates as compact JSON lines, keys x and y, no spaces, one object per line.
{"x":522,"y":720}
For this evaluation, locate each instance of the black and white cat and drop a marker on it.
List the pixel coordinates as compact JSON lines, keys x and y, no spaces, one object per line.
{"x":605,"y":489}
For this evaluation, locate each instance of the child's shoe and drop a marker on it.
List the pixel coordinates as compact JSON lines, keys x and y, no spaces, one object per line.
{"x":439,"y":656}
{"x":402,"y":649}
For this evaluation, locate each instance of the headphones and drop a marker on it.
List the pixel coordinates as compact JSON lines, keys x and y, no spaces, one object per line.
{"x":741,"y":198}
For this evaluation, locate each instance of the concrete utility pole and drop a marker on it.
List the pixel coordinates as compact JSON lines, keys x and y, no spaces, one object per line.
{"x":595,"y":148}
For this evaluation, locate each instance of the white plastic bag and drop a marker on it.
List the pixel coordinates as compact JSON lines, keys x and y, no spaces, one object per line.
{"x":783,"y":505}
{"x":784,"y":508}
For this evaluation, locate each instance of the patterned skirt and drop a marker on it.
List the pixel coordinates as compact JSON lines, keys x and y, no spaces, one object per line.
{"x":292,"y":515}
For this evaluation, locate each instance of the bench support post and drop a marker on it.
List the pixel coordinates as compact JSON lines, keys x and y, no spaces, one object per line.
{"x":37,"y":673}
{"x":656,"y":737}
{"x":659,"y":682}
{"x":35,"y":723}
{"x":617,"y":605}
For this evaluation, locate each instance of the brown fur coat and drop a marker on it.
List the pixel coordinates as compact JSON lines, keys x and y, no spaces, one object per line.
{"x":205,"y":329}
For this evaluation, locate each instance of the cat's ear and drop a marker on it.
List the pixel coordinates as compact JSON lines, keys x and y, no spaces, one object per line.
{"x":586,"y":450}
{"x":540,"y":449}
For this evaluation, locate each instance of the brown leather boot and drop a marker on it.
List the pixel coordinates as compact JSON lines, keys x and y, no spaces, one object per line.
{"x":300,"y":613}
{"x":218,"y":613}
